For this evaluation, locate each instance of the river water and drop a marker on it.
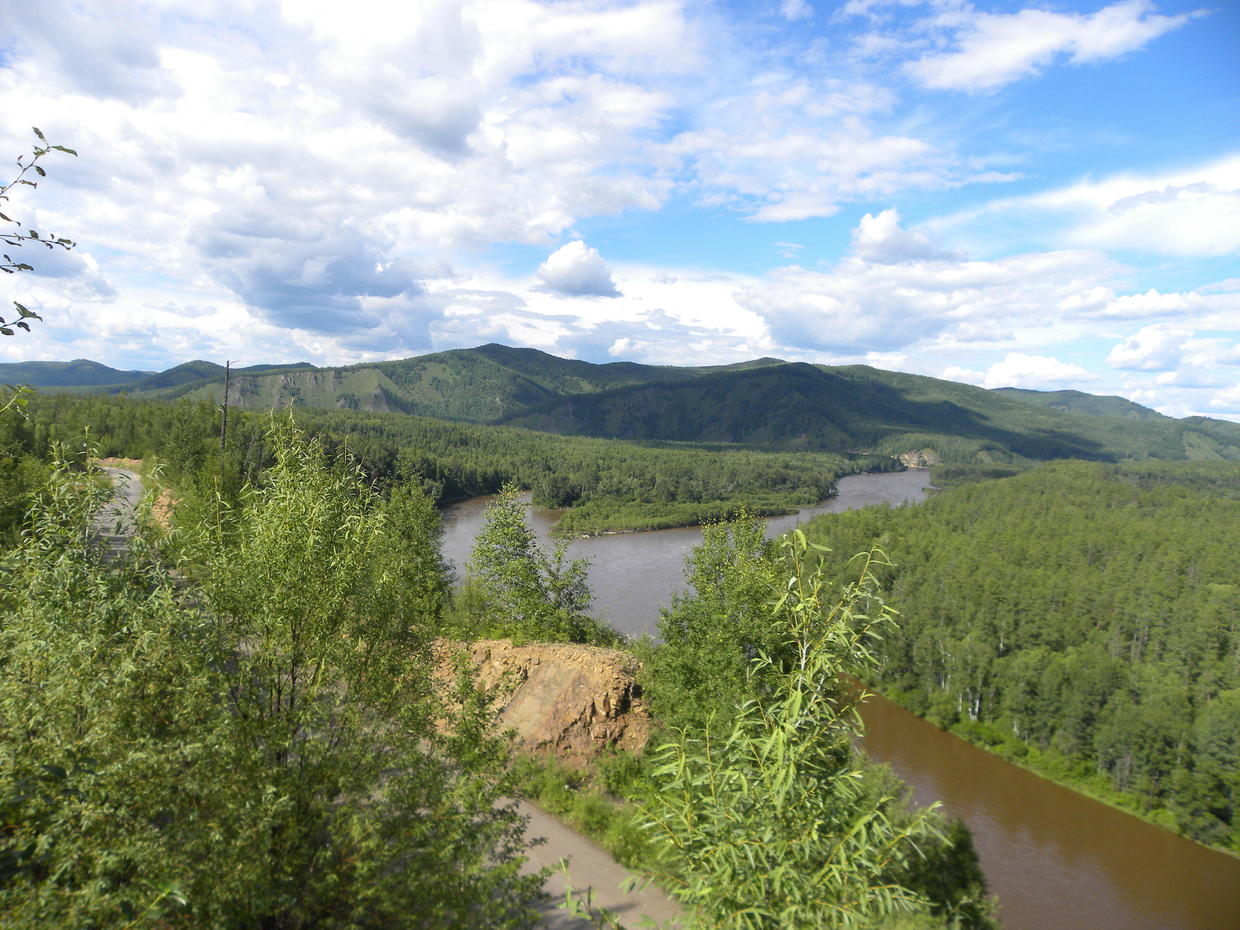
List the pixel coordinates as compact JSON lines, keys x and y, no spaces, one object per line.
{"x":632,"y":575}
{"x":1056,"y":859}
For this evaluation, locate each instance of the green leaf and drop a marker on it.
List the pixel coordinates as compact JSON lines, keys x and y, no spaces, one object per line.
{"x":38,"y":132}
{"x":39,"y":170}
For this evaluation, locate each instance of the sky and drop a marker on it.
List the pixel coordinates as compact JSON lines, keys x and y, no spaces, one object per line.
{"x":1033,"y":194}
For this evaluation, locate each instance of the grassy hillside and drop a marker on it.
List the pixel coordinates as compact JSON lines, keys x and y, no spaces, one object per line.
{"x":479,"y":385}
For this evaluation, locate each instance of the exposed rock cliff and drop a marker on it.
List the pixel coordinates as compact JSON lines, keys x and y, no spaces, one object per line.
{"x":919,"y":458}
{"x":570,"y":701}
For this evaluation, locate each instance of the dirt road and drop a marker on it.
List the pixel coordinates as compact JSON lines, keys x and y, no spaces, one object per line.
{"x":115,"y":522}
{"x":590,"y":867}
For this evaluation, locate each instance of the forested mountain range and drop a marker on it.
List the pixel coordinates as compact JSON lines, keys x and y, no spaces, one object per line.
{"x":79,"y":372}
{"x":766,"y":403}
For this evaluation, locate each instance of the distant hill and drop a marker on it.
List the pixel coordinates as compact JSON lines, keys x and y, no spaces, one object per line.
{"x":857,"y":408}
{"x":1080,"y":402}
{"x":766,"y":403}
{"x":77,"y":373}
{"x":198,"y":373}
{"x":480,"y":385}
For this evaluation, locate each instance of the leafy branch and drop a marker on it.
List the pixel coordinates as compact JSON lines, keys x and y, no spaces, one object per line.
{"x":27,"y":165}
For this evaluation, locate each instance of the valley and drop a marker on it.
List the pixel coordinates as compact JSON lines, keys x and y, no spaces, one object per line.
{"x":1066,"y":601}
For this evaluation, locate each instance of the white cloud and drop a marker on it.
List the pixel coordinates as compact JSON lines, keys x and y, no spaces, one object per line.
{"x":759,"y":156}
{"x":897,"y":290}
{"x":793,"y":10}
{"x":1193,"y":211}
{"x":994,"y":49}
{"x":1180,"y":356}
{"x":881,"y":239}
{"x":576,"y":270}
{"x":1226,"y":403}
{"x":1022,"y":370}
{"x":622,"y":347}
{"x":1018,"y":369}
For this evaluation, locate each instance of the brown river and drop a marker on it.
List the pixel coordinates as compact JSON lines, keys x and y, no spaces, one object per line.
{"x":1056,"y":859}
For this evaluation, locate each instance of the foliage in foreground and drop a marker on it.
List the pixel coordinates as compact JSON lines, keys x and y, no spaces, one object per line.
{"x":257,"y":747}
{"x":771,"y":822}
{"x":515,"y":588}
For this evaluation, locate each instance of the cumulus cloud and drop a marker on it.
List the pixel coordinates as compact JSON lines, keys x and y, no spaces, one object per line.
{"x":302,"y":276}
{"x":576,"y":270}
{"x":881,"y":239}
{"x":1179,"y":356}
{"x":1226,"y":403}
{"x":105,"y":51}
{"x":790,"y":147}
{"x":991,"y":50}
{"x":1189,"y":212}
{"x":1040,"y":372}
{"x":896,"y":289}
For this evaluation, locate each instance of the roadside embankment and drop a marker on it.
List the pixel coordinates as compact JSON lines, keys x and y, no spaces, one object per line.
{"x":568,"y":701}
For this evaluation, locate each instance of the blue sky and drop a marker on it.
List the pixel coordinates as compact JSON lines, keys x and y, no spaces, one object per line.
{"x":1044,"y":195}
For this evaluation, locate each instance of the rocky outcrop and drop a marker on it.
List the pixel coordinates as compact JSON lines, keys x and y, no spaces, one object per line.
{"x":919,"y":458}
{"x":570,"y":701}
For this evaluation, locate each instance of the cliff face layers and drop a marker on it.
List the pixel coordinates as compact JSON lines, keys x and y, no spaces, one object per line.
{"x":570,"y":701}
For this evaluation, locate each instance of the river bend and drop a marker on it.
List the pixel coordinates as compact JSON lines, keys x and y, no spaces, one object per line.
{"x":1056,"y":859}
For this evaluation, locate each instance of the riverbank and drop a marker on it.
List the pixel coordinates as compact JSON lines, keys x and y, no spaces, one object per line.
{"x":1056,"y":857}
{"x":1073,"y":774}
{"x":610,"y":517}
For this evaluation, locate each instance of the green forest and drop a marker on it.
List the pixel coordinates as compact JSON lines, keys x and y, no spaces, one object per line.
{"x":232,"y":723}
{"x":604,"y":484}
{"x":1083,"y":619}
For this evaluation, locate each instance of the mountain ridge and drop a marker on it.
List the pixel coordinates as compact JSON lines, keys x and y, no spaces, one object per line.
{"x":764,"y":403}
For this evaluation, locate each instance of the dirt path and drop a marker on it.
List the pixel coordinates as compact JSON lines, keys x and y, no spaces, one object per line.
{"x":115,"y":522}
{"x":589,"y":867}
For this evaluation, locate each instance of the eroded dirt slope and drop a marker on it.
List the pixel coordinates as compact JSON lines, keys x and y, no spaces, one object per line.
{"x":570,"y":701}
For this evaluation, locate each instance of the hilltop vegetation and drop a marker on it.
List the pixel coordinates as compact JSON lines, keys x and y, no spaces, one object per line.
{"x":764,"y":403}
{"x":255,"y":743}
{"x":1083,"y":618}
